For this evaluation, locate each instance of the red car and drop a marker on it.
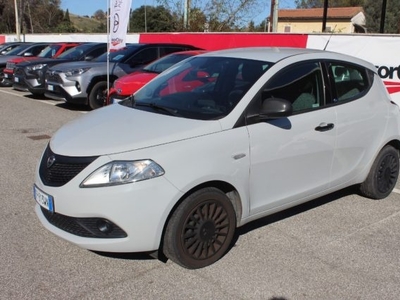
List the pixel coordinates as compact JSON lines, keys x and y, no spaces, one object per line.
{"x":51,"y":51}
{"x":129,"y":84}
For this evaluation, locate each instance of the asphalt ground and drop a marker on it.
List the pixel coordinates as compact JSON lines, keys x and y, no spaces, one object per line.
{"x":341,"y":246}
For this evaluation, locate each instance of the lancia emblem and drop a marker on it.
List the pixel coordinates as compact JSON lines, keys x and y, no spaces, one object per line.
{"x":50,"y":161}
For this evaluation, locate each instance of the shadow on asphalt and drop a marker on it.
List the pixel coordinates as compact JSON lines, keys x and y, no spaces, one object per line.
{"x":279,"y":216}
{"x":62,"y":104}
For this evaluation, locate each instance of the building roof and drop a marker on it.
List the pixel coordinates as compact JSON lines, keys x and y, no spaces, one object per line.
{"x":317,"y":13}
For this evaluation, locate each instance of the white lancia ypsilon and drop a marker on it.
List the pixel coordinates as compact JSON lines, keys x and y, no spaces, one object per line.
{"x":214,"y":142}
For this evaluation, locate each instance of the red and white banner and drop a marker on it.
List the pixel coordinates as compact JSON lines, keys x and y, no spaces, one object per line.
{"x":119,"y":20}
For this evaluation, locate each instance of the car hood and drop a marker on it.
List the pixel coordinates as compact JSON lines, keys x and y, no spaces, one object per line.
{"x":129,"y":84}
{"x":5,"y":58}
{"x":18,"y":60}
{"x":116,"y":128}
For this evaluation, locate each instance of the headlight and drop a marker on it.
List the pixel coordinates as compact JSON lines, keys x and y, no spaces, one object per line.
{"x":36,"y":67}
{"x":76,"y":72}
{"x":121,"y":172}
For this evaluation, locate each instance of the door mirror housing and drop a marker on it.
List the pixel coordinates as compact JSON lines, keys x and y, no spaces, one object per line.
{"x":273,"y":108}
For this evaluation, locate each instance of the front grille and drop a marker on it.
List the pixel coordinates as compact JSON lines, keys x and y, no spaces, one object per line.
{"x":62,"y":169}
{"x":10,"y":65}
{"x":85,"y":227}
{"x":53,"y":77}
{"x":18,"y":71}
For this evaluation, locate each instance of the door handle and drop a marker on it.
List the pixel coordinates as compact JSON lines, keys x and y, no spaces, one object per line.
{"x":325,"y":127}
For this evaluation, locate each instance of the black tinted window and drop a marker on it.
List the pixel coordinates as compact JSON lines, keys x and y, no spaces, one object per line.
{"x":301,"y":84}
{"x":349,"y":81}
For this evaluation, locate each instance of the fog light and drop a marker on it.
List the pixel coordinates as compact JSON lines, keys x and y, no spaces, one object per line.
{"x":78,"y":86}
{"x":104,"y":226}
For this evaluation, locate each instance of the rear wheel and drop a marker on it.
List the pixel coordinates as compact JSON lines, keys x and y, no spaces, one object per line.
{"x":200,"y":229}
{"x":98,"y":95}
{"x":382,"y":177}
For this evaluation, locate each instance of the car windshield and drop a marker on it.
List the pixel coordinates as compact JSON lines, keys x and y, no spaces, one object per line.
{"x":164,"y":63}
{"x":76,"y":52}
{"x":117,"y":56}
{"x":49,"y":51}
{"x":201,"y":87}
{"x":18,"y":50}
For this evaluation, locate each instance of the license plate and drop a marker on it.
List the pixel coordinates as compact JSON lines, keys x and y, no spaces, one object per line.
{"x":16,"y":79}
{"x":6,"y":75}
{"x":50,"y":87}
{"x":44,"y":200}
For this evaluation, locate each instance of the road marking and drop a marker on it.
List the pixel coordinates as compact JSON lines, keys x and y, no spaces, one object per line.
{"x":23,"y":95}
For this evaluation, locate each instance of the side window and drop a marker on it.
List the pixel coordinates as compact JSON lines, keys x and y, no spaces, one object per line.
{"x":97,"y":52}
{"x":349,"y":81}
{"x":144,"y":56}
{"x":169,"y":50}
{"x":36,"y":50}
{"x":301,"y":84}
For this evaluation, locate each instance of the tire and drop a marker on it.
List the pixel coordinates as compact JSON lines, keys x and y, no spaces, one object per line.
{"x":98,"y":95}
{"x":200,"y":230}
{"x":382,"y":177}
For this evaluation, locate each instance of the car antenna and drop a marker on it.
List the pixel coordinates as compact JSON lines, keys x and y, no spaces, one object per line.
{"x":330,"y":37}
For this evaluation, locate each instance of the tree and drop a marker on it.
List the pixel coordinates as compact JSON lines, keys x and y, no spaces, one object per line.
{"x":100,"y":15}
{"x":332,"y":3}
{"x":373,"y":11}
{"x":151,"y":19}
{"x":221,"y":15}
{"x":66,"y":24}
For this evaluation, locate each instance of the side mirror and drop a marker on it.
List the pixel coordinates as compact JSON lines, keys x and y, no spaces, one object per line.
{"x":273,"y":108}
{"x":89,"y":57}
{"x":28,"y":54}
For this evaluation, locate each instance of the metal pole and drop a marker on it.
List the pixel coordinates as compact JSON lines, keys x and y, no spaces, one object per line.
{"x":275,"y":19}
{"x":383,"y":16}
{"x":325,"y":16}
{"x":17,"y":29}
{"x":108,"y":44}
{"x":145,"y":17}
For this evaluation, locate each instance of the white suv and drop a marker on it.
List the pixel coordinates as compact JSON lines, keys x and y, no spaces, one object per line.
{"x":214,"y":142}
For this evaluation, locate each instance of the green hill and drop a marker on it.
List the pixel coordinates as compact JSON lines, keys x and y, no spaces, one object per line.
{"x":87,"y":24}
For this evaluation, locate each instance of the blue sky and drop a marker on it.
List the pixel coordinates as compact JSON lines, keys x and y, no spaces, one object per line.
{"x":89,"y":7}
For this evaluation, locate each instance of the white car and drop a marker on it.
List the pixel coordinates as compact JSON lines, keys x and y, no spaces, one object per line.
{"x":217,"y":141}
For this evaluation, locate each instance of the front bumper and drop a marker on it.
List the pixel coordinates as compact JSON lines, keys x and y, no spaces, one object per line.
{"x":138,"y":210}
{"x":69,"y":89}
{"x":26,"y":81}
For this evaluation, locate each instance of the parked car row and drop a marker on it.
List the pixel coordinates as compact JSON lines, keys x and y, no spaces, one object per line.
{"x":77,"y":73}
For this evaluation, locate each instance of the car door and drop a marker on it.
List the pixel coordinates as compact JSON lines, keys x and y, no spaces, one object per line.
{"x":358,"y":133}
{"x":291,"y":157}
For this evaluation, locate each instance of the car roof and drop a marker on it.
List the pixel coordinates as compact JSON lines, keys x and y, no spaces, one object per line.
{"x":275,"y":54}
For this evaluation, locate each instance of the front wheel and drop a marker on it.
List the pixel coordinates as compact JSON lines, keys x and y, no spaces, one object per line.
{"x":98,"y":95}
{"x":382,"y":177}
{"x":201,"y":229}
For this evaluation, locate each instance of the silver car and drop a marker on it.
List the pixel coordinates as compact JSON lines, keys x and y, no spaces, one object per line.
{"x":86,"y":82}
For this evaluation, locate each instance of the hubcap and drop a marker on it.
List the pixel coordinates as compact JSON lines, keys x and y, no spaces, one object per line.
{"x":205,"y":230}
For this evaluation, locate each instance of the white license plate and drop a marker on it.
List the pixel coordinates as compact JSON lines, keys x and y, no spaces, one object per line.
{"x":16,"y":79}
{"x":44,"y":200}
{"x":50,"y":87}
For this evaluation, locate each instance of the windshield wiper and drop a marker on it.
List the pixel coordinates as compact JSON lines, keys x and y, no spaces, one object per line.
{"x":172,"y":112}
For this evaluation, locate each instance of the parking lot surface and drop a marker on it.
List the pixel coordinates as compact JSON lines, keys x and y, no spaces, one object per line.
{"x":341,"y":246}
